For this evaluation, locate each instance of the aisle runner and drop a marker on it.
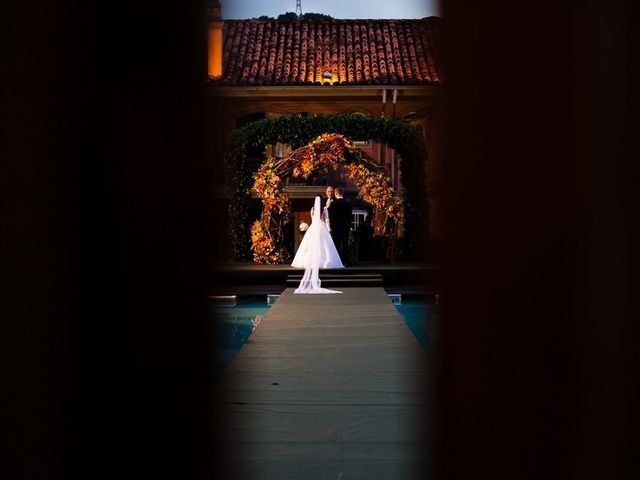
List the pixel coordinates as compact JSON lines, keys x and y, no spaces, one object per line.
{"x":327,"y":387}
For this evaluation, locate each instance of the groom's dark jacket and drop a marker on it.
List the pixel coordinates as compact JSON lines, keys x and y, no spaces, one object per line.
{"x":340,"y":215}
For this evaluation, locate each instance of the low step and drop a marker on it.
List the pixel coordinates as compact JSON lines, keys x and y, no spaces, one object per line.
{"x":340,"y":279}
{"x":361,"y":276}
{"x":362,"y":280}
{"x":396,"y":298}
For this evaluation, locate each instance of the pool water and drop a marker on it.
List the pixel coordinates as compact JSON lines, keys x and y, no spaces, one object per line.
{"x":236,"y":324}
{"x":234,"y":327}
{"x":420,"y":315}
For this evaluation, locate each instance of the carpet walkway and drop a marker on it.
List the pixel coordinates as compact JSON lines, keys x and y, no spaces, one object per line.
{"x":327,"y":387}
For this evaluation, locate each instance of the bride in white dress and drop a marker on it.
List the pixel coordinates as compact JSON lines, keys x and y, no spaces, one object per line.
{"x":316,"y":251}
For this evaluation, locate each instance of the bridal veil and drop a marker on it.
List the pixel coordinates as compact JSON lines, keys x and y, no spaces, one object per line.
{"x":316,"y":251}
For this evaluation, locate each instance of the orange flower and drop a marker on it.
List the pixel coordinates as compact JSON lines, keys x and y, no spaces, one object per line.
{"x":323,"y":153}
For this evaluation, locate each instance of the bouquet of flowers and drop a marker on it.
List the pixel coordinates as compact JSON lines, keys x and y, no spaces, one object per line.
{"x":304,"y":226}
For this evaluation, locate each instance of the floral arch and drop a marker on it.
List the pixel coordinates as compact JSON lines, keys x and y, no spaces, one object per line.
{"x":323,"y":154}
{"x":241,"y":163}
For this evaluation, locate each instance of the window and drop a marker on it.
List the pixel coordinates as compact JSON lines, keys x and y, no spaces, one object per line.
{"x":357,"y":216}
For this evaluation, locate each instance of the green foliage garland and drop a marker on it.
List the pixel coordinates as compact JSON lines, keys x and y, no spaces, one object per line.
{"x":299,"y":130}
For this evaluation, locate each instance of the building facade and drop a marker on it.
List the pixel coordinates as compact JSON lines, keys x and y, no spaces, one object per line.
{"x":267,"y":68}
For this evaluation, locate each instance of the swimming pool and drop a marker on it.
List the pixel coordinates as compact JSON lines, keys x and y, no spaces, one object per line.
{"x":420,"y":314}
{"x":235,"y":324}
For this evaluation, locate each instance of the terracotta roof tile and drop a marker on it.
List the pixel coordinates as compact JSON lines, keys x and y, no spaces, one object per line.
{"x":357,"y":52}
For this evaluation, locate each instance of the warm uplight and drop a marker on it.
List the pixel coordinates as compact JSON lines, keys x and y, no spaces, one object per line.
{"x":215,"y":49}
{"x":328,"y":77}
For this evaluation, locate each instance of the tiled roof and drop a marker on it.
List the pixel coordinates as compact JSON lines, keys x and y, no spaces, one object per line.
{"x":357,"y":52}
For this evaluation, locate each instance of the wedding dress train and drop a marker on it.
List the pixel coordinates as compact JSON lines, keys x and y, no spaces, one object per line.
{"x":316,"y":251}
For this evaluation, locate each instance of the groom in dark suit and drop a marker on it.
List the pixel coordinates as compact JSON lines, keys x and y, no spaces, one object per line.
{"x":340,"y":223}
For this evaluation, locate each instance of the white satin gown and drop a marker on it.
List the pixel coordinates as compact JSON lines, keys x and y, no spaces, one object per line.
{"x":316,"y":251}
